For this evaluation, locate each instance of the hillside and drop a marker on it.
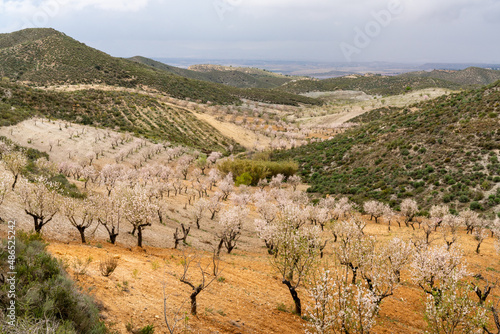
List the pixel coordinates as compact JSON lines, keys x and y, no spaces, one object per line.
{"x":370,"y":84}
{"x":440,"y":151}
{"x":49,"y":57}
{"x":469,"y":76}
{"x":140,"y":114}
{"x":235,"y":77}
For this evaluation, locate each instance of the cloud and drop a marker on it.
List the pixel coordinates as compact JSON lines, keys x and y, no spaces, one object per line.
{"x":28,"y":7}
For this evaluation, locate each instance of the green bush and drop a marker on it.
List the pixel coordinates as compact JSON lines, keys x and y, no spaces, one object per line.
{"x":245,"y":179}
{"x":257,"y":169}
{"x":475,"y":206}
{"x":44,"y":292}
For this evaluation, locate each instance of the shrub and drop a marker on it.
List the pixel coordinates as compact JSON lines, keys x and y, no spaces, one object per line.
{"x":149,"y":329}
{"x":257,"y":169}
{"x":45,"y":296}
{"x":245,"y":179}
{"x":108,"y":265}
{"x":475,"y":206}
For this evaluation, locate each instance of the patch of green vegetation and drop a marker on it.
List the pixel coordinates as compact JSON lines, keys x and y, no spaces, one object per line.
{"x":254,"y":170}
{"x":46,"y":299}
{"x":442,"y":149}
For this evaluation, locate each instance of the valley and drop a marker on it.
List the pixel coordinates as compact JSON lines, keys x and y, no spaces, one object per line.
{"x":235,"y":200}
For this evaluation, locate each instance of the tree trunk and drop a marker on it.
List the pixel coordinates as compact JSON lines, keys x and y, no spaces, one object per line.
{"x":15,"y":181}
{"x":81,"y":229}
{"x":112,"y":237}
{"x":219,"y":247}
{"x":139,"y":236}
{"x":193,"y":298}
{"x":295,"y":296}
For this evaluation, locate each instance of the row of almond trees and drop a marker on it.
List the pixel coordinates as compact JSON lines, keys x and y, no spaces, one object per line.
{"x":347,"y":282}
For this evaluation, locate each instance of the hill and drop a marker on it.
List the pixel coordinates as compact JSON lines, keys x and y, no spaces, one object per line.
{"x":235,"y":77}
{"x":370,"y":84}
{"x":141,"y":114}
{"x":468,"y":76}
{"x":49,"y":57}
{"x":439,"y":151}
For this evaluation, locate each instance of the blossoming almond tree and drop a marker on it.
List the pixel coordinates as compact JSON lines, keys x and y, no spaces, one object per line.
{"x":375,"y":209}
{"x":80,"y":213}
{"x":409,"y":209}
{"x":231,"y":223}
{"x":139,"y":211}
{"x":110,"y":214}
{"x":339,"y":306}
{"x":297,"y":251}
{"x":41,"y":201}
{"x":15,"y":163}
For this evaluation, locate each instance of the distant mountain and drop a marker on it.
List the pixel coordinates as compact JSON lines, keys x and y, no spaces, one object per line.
{"x":240,"y":77}
{"x":49,"y":57}
{"x":370,"y":84}
{"x":468,"y":76}
{"x":456,"y":66}
{"x":440,"y":151}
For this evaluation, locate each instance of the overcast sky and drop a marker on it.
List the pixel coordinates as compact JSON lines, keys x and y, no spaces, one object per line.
{"x":415,"y":31}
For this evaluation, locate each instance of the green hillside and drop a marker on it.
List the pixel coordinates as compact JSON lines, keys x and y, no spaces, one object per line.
{"x":136,"y":113}
{"x":373,"y":85}
{"x":49,"y":57}
{"x":237,"y":77}
{"x":441,"y":151}
{"x":469,"y":76}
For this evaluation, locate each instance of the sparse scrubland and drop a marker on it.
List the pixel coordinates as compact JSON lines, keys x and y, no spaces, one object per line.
{"x":139,"y":207}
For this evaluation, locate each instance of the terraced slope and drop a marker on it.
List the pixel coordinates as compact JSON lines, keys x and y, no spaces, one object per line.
{"x":137,"y":113}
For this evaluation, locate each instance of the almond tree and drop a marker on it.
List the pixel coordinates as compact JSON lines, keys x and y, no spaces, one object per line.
{"x":198,"y":208}
{"x":226,"y":186}
{"x":213,"y":157}
{"x":231,"y":223}
{"x":214,"y":204}
{"x":15,"y":163}
{"x":294,"y":181}
{"x":353,"y":248}
{"x":450,"y":226}
{"x":399,"y":254}
{"x":409,"y":209}
{"x":438,"y":212}
{"x":342,"y":208}
{"x":480,"y":232}
{"x":41,"y":201}
{"x":110,"y":214}
{"x":470,"y":218}
{"x":213,"y":177}
{"x":436,"y":269}
{"x":204,"y":278}
{"x":297,"y":250}
{"x":453,"y":311}
{"x":138,"y":210}
{"x":339,"y":306}
{"x":375,"y":209}
{"x":80,"y":213}
{"x":110,"y":174}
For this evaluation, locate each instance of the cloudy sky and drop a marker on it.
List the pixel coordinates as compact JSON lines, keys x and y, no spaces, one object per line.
{"x":415,"y":31}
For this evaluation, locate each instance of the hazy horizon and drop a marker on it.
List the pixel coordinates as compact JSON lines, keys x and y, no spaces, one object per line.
{"x":401,"y":31}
